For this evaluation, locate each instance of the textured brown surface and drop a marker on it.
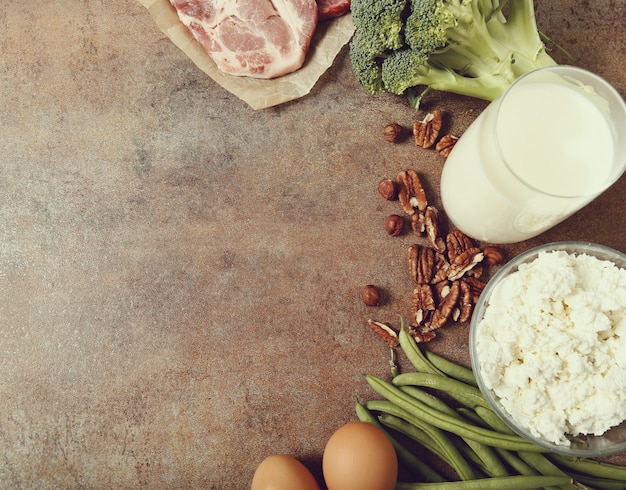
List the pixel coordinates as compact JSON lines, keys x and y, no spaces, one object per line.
{"x":179,"y":274}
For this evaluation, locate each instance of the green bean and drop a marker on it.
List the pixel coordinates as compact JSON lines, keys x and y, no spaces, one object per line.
{"x":460,"y":391}
{"x":417,"y":467}
{"x":470,"y":416}
{"x":489,"y":459}
{"x":508,"y":457}
{"x":414,"y":354}
{"x":492,"y":419}
{"x":434,"y":439}
{"x":531,"y":464}
{"x":451,"y":369}
{"x":518,"y":482}
{"x":437,"y":443}
{"x":481,"y":454}
{"x":471,"y":456}
{"x":447,"y":422}
{"x":540,"y":463}
{"x":515,"y":462}
{"x":418,"y":435}
{"x":590,"y":467}
{"x":430,"y":400}
{"x":598,"y":483}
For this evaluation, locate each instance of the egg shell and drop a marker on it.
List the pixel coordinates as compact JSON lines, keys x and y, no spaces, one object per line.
{"x":282,"y":472}
{"x":359,"y":456}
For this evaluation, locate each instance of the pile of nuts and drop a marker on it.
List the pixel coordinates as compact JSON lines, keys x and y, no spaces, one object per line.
{"x":425,"y":133}
{"x":447,"y":270}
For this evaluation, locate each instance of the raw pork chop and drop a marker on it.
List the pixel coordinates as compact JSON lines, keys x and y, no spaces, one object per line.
{"x":255,"y":38}
{"x":332,"y":8}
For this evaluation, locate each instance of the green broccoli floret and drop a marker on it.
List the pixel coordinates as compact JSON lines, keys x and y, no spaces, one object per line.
{"x":468,"y":47}
{"x":381,"y":22}
{"x":365,"y":64}
{"x":379,"y":31}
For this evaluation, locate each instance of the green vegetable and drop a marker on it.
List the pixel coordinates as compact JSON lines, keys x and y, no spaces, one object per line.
{"x":414,"y":354}
{"x":467,"y":47}
{"x":460,"y":391}
{"x":447,"y":422}
{"x":412,"y":462}
{"x":470,"y":438}
{"x":451,"y":369}
{"x":503,"y":483}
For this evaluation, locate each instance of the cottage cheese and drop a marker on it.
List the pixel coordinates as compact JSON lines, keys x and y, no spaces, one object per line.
{"x":552,"y":345}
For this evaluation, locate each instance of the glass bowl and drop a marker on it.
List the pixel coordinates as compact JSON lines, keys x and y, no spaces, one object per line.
{"x":580,"y":445}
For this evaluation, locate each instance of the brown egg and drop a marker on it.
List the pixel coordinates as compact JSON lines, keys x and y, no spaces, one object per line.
{"x":359,"y":456}
{"x":281,"y":472}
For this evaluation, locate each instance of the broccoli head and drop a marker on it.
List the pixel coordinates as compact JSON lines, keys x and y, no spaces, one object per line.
{"x":467,"y":47}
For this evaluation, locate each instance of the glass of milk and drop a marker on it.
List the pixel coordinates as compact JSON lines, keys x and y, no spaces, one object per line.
{"x":549,"y":145}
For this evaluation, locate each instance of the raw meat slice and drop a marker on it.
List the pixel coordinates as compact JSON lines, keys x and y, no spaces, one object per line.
{"x":254,"y":38}
{"x":329,"y":9}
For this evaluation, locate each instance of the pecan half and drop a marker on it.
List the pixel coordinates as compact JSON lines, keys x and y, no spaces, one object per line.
{"x":466,"y":304}
{"x":426,"y":131}
{"x":411,"y":192}
{"x":441,"y":268}
{"x":464,"y":262}
{"x":422,"y":303}
{"x":385,"y":332}
{"x":421,"y":334}
{"x":445,"y":308}
{"x":431,"y":221}
{"x":421,"y":263}
{"x":476,"y":271}
{"x":493,"y":255}
{"x":476,"y":285}
{"x":445,"y":144}
{"x":442,"y":289}
{"x":418,"y":223}
{"x":457,"y":242}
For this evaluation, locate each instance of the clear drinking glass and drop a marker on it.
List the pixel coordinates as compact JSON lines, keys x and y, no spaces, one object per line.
{"x":549,"y":145}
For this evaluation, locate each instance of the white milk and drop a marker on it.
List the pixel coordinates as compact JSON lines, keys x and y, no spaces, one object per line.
{"x":557,"y":154}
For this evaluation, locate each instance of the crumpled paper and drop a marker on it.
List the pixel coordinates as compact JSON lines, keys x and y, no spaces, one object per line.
{"x":329,"y":39}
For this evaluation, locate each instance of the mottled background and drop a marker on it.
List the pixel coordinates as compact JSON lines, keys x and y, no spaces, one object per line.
{"x":179,"y":274}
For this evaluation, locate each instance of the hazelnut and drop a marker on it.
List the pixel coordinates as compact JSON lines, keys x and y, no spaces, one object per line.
{"x":394,"y":224}
{"x":388,"y":189}
{"x":370,"y":295}
{"x":393,"y":132}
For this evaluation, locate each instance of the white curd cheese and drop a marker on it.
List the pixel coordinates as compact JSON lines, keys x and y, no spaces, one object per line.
{"x":552,"y":345}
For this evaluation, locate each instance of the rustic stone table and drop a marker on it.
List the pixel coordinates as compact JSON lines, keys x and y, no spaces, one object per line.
{"x":179,"y":273}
